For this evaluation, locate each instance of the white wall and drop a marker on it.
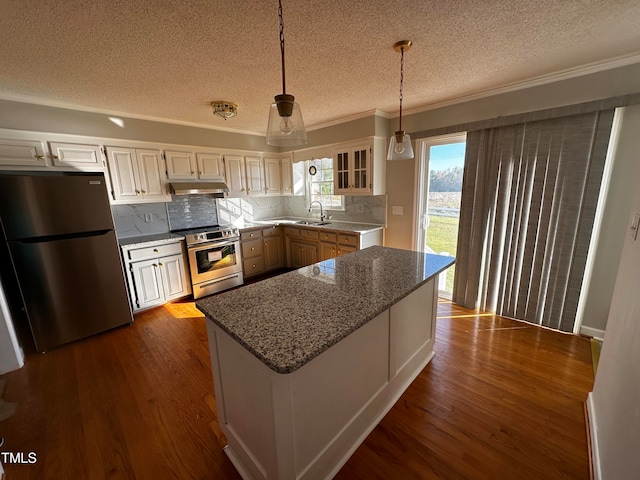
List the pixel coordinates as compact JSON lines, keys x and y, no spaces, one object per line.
{"x":625,"y":172}
{"x":11,"y":356}
{"x":614,"y":404}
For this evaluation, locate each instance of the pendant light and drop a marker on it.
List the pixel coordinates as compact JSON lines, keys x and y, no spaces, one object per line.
{"x":400,"y":145}
{"x":285,"y":127}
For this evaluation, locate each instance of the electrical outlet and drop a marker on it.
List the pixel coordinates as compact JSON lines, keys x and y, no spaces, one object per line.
{"x":397,"y":210}
{"x":359,"y":208}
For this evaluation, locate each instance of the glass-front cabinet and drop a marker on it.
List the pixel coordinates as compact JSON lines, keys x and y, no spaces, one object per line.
{"x":353,"y":169}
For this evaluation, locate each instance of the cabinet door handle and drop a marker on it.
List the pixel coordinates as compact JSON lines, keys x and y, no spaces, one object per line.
{"x":254,"y":265}
{"x":155,"y":265}
{"x":137,"y":192}
{"x":161,"y":264}
{"x":155,"y":250}
{"x":144,"y":192}
{"x":253,"y":248}
{"x":39,"y":157}
{"x":193,"y":173}
{"x":200,"y":173}
{"x":55,"y":156}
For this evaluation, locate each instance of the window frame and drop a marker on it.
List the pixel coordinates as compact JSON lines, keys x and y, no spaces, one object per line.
{"x":322,"y":197}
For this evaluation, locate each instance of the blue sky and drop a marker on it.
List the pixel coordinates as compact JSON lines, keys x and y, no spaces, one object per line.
{"x":446,"y":156}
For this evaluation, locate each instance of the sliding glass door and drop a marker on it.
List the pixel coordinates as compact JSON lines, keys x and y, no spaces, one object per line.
{"x":439,"y":172}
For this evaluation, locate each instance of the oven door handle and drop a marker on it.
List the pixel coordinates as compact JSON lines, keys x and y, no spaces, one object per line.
{"x":199,"y":246}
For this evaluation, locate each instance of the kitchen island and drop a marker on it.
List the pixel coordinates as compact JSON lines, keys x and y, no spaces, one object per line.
{"x":307,"y":363}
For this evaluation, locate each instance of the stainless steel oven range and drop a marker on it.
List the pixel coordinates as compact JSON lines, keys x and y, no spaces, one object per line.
{"x":214,"y":259}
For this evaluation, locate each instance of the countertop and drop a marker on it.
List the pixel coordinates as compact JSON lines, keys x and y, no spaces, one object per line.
{"x":288,"y":320}
{"x":336,"y":226}
{"x":149,"y":240}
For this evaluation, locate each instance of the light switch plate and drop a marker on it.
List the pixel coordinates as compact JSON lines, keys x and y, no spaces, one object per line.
{"x":397,"y":210}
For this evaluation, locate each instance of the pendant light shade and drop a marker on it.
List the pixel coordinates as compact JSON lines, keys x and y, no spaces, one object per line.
{"x":285,"y":127}
{"x":400,"y":147}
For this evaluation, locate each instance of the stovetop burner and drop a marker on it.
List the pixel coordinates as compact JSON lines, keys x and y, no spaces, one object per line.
{"x":194,"y":236}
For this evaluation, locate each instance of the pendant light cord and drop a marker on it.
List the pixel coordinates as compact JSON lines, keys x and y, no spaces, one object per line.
{"x":401,"y":82}
{"x":284,"y":90}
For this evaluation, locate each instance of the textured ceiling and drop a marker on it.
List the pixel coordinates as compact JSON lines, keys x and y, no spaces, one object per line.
{"x":167,"y":59}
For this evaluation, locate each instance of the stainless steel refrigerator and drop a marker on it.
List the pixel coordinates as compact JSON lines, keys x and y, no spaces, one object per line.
{"x":64,"y":256}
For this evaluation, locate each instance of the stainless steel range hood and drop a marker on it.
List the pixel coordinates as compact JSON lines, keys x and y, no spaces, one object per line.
{"x":197,"y":188}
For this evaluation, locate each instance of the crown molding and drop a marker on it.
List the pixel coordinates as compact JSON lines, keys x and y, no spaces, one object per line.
{"x":81,"y":108}
{"x":348,"y":118}
{"x":567,"y":74}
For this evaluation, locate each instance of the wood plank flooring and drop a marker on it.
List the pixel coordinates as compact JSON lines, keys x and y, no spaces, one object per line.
{"x":500,"y":400}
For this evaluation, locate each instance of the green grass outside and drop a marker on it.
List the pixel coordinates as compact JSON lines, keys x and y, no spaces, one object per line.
{"x":442,"y":236}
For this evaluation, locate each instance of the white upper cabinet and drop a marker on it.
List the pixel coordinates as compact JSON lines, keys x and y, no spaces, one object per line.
{"x":360,"y":169}
{"x":185,"y":165}
{"x":38,"y":154}
{"x":180,"y":165}
{"x":137,"y":175}
{"x":286,"y":170}
{"x":254,"y":168}
{"x":76,"y":156}
{"x":234,"y":170}
{"x":22,"y":153}
{"x":244,"y":175}
{"x":273,"y":176}
{"x":210,"y":166}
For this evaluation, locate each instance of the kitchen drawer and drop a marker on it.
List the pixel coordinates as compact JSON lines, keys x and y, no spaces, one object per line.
{"x":154,"y":251}
{"x":311,"y":234}
{"x":292,"y":232}
{"x":348,"y":240}
{"x":327,"y":237}
{"x":271,"y":231}
{"x":252,"y":248}
{"x":250,"y":235}
{"x":253,"y":266}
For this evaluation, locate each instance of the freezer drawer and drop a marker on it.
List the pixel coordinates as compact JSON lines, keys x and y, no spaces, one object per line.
{"x":72,"y":288}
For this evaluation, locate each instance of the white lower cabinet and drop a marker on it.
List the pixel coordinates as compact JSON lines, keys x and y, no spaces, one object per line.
{"x":157,"y":274}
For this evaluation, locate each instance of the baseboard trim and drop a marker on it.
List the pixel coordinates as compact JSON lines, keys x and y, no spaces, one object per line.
{"x":592,"y":332}
{"x":592,"y":438}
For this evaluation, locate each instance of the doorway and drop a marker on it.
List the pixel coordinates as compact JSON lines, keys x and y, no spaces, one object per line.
{"x":438,"y":192}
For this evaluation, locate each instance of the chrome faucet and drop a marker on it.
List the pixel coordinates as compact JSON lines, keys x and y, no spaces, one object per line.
{"x":321,"y":212}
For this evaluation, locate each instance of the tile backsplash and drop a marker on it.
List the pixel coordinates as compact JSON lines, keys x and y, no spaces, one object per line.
{"x":140,"y":219}
{"x":191,"y":211}
{"x":360,"y":209}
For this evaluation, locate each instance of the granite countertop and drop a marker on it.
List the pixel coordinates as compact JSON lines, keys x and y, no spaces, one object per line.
{"x":288,"y":320}
{"x":149,"y":240}
{"x":336,"y":226}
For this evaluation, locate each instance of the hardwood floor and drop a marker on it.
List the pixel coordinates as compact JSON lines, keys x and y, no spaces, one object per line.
{"x":500,"y":400}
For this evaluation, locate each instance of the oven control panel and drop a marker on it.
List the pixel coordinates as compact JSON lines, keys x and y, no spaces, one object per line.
{"x":222,"y":234}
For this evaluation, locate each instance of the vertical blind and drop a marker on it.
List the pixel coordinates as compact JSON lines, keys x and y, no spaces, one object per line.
{"x":529,"y":198}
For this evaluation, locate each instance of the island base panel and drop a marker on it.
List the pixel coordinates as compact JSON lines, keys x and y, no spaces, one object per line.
{"x":306,"y":424}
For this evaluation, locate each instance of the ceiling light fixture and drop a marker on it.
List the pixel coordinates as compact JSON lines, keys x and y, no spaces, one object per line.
{"x":285,"y":127}
{"x":224,"y":109}
{"x":400,"y":146}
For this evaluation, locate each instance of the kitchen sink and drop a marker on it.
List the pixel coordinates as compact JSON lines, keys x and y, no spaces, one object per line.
{"x":311,"y":222}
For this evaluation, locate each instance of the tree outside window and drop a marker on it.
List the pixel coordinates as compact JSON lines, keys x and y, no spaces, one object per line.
{"x":321,"y":184}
